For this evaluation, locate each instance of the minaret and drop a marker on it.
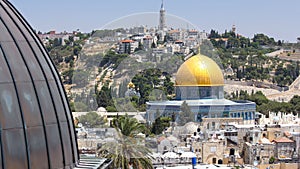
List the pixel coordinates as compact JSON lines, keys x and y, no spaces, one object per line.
{"x":233,"y":29}
{"x":162,"y":17}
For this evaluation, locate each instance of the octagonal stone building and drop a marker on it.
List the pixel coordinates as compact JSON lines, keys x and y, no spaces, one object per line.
{"x":200,"y":84}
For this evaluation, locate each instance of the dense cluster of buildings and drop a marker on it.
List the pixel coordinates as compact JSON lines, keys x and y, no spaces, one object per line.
{"x":219,"y":141}
{"x":178,"y":41}
{"x":159,"y":40}
{"x":270,"y":142}
{"x":37,"y":130}
{"x":221,"y":131}
{"x":61,"y":37}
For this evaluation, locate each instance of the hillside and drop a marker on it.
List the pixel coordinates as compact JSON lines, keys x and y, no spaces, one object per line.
{"x":96,"y":75}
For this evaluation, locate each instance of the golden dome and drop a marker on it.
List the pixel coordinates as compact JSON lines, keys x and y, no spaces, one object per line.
{"x":130,"y":85}
{"x":199,"y":70}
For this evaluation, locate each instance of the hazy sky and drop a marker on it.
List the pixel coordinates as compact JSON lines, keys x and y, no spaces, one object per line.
{"x":276,"y":18}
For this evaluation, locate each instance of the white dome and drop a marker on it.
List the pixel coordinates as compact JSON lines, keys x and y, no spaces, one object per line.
{"x":101,"y":109}
{"x":190,"y":128}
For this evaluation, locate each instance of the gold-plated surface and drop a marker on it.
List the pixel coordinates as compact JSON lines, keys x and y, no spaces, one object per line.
{"x":199,"y":70}
{"x":130,"y":85}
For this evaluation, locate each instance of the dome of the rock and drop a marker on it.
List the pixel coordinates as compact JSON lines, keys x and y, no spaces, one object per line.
{"x":199,"y":70}
{"x":199,"y":89}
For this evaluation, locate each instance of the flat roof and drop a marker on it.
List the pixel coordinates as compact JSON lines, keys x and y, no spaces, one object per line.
{"x":204,"y":102}
{"x":211,"y":166}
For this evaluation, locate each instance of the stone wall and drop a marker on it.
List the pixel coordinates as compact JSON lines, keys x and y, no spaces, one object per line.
{"x":280,"y":166}
{"x":212,"y":150}
{"x":219,"y":121}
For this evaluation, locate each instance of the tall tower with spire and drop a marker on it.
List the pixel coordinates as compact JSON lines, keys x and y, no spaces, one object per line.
{"x":162,"y":17}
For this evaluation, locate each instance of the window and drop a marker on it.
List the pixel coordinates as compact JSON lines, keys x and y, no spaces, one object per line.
{"x":213,"y":125}
{"x":213,"y":149}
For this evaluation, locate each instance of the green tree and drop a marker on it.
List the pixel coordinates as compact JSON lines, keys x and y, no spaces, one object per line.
{"x":129,"y":149}
{"x":129,"y":126}
{"x":160,"y":124}
{"x":76,"y":50}
{"x":214,"y":34}
{"x":92,"y":120}
{"x":80,"y":106}
{"x":295,"y":103}
{"x":56,"y":42}
{"x":259,"y":98}
{"x":186,"y":115}
{"x":72,"y":106}
{"x":127,"y":152}
{"x":111,"y":109}
{"x":67,"y":76}
{"x":112,"y":58}
{"x":150,"y":79}
{"x":263,"y":39}
{"x":271,"y":160}
{"x":104,"y":98}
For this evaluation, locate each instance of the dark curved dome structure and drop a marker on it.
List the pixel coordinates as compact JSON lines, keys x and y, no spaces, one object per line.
{"x":36,"y":125}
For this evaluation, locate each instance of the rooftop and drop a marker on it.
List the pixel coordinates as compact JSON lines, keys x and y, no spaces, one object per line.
{"x":127,"y":41}
{"x":203,"y":102}
{"x":283,"y":140}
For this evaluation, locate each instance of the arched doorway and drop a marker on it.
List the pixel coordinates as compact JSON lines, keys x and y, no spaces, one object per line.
{"x":214,"y":160}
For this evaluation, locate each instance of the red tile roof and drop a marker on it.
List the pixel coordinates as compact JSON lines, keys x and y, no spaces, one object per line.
{"x":283,"y":140}
{"x":127,"y":41}
{"x":160,"y":139}
{"x":174,"y":31}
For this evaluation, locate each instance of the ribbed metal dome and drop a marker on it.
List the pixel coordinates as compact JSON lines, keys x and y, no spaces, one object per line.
{"x":36,"y":126}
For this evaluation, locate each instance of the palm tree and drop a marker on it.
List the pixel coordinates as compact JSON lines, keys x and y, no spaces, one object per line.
{"x":128,"y":150}
{"x":128,"y":126}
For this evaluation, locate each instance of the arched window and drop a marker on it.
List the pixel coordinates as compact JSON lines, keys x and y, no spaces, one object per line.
{"x":213,"y":125}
